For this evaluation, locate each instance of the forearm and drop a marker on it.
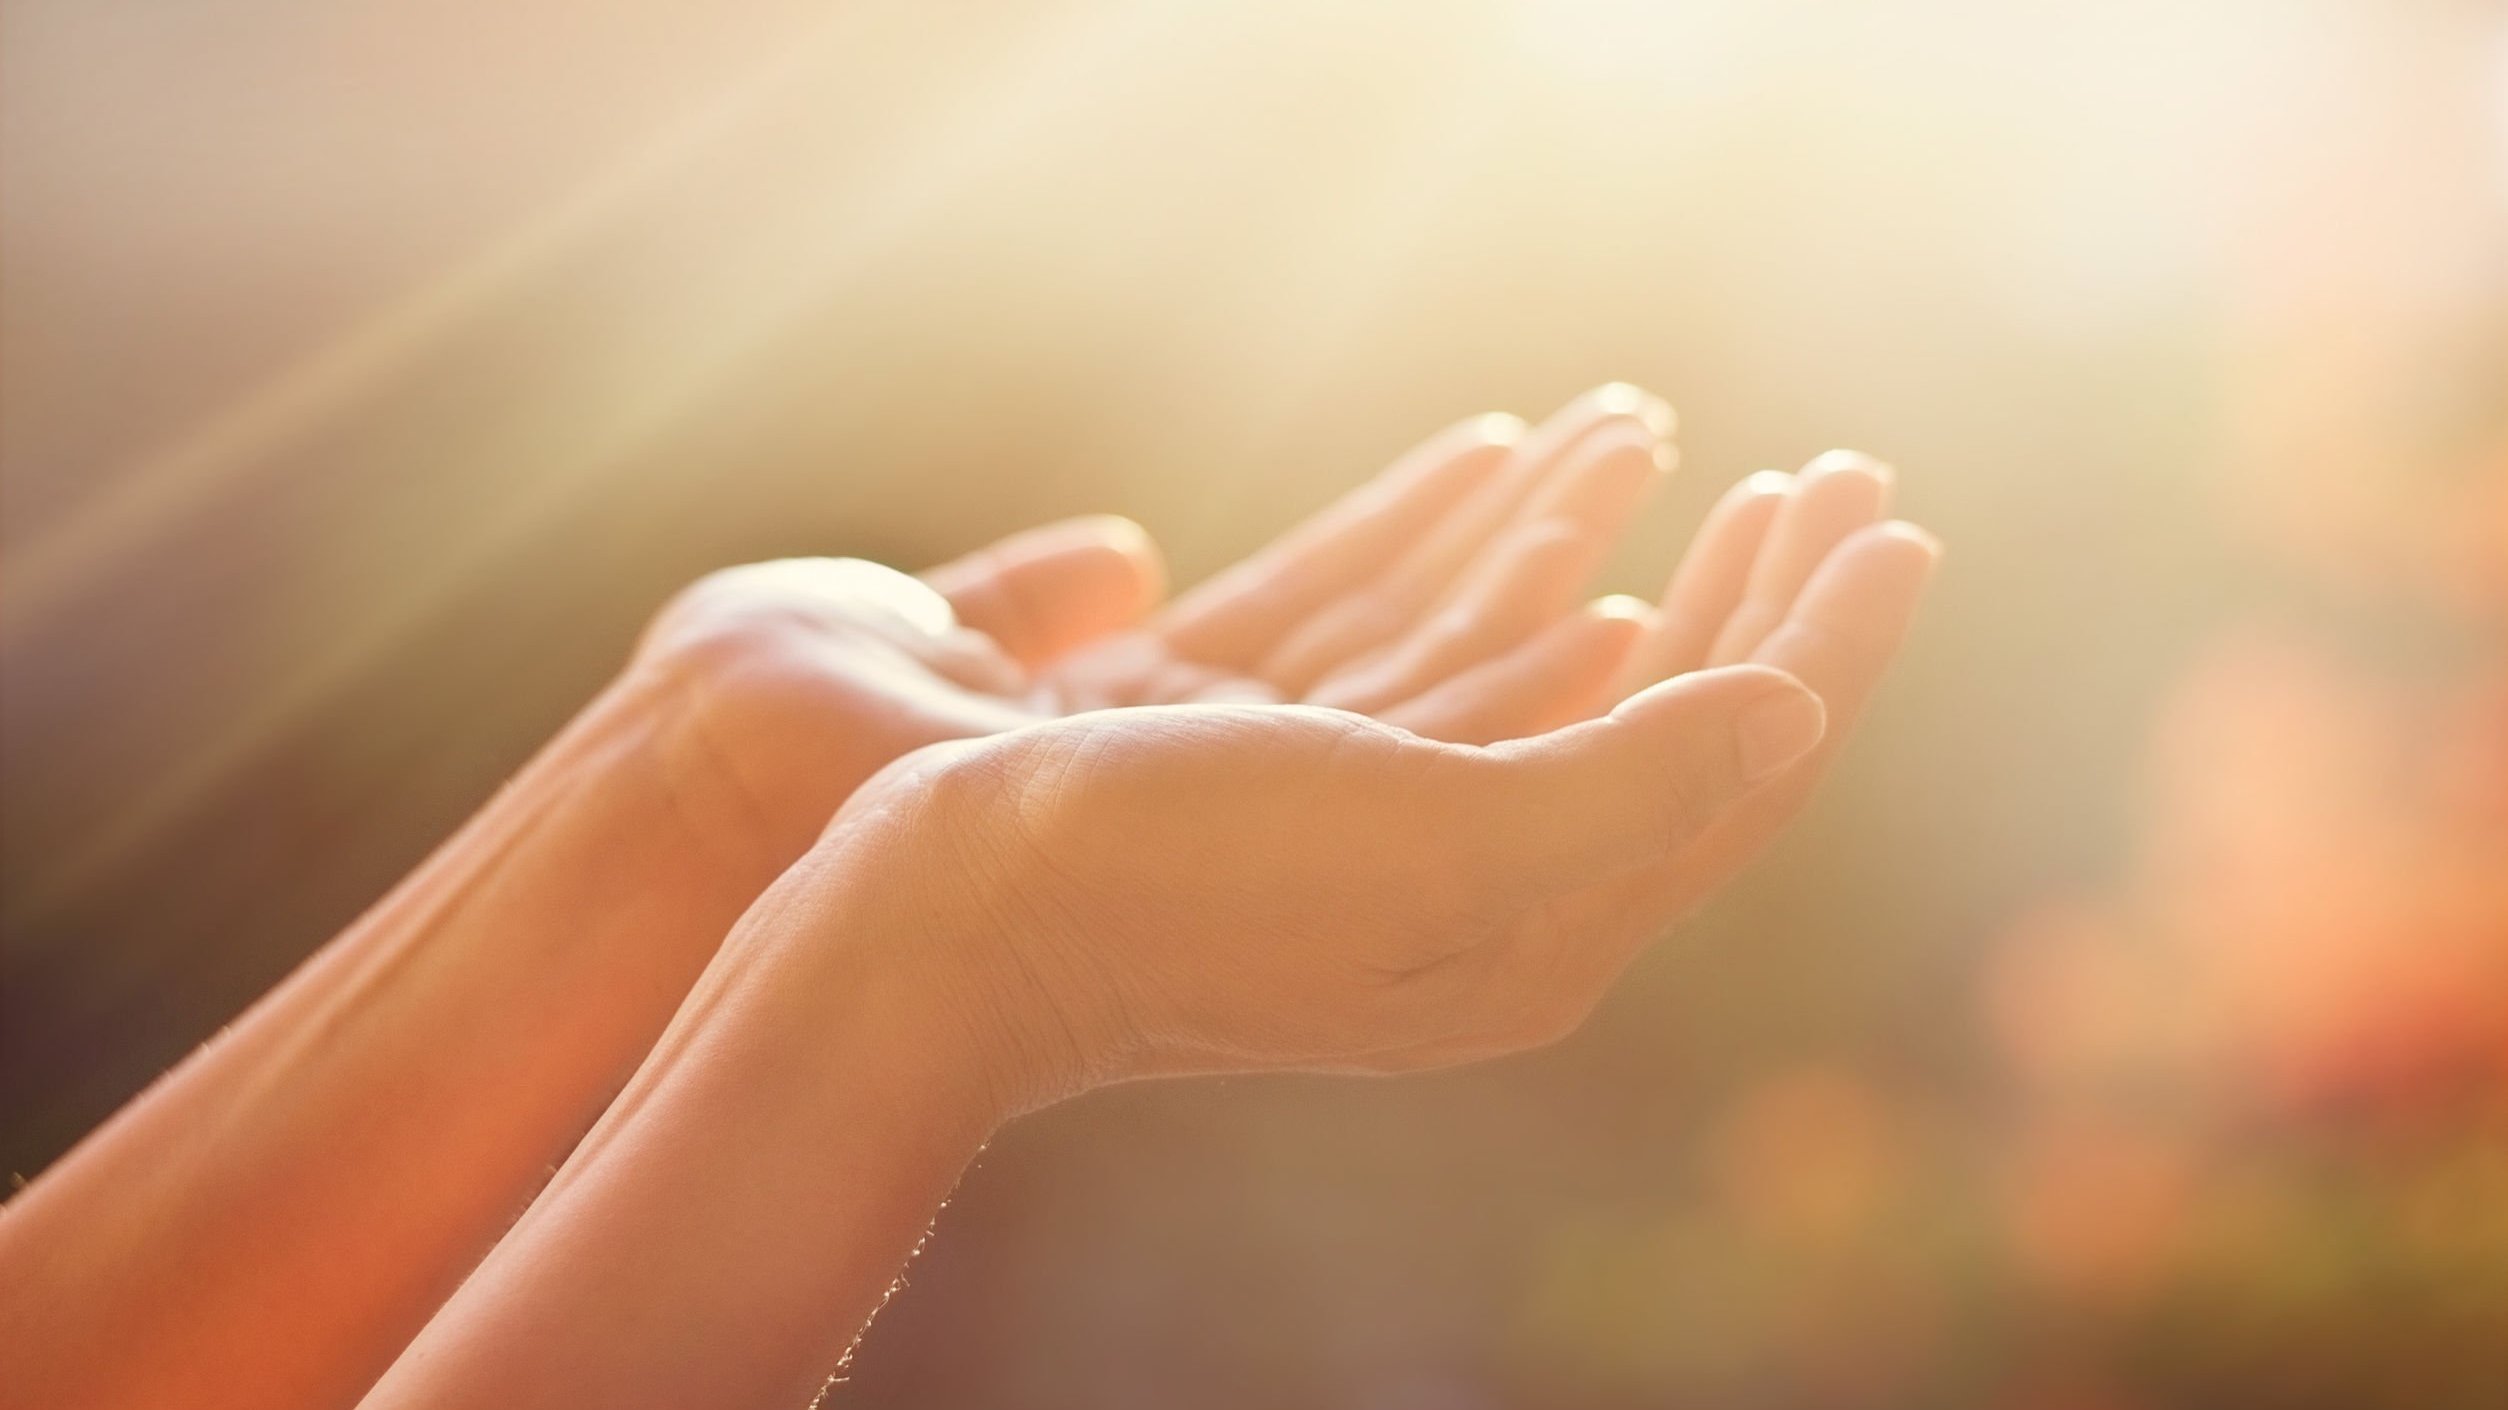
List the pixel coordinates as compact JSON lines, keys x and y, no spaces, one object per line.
{"x":744,"y":1207}
{"x":271,"y":1222}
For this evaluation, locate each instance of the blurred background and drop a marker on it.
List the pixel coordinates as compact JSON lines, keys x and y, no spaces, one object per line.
{"x":2128,"y":1025}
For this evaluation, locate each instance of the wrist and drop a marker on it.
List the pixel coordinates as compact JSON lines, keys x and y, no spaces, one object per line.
{"x":748,"y":774}
{"x":911,"y":873}
{"x":641,"y":756}
{"x":759,"y":745}
{"x":766,"y":1170}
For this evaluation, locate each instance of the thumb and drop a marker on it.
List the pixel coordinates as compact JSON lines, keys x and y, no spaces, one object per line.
{"x":1043,"y":591}
{"x":1585,"y":803}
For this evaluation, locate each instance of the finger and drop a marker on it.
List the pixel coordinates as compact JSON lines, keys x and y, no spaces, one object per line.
{"x":1536,"y":574}
{"x":1541,"y":981}
{"x":1546,"y":477}
{"x":974,"y":660}
{"x":1191,"y":682}
{"x":1708,"y":584}
{"x":1837,"y":494}
{"x":1560,"y":676}
{"x":1237,"y":616}
{"x":1596,"y":480}
{"x":1853,"y":616}
{"x":1043,"y":591}
{"x":1606,"y":797}
{"x":1596,"y":492}
{"x":1411,"y":582}
{"x":1839,"y":640}
{"x":1847,"y":627}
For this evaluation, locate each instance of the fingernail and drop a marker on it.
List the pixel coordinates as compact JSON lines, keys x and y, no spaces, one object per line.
{"x":1918,"y":534}
{"x":1767,"y":482}
{"x":1834,"y":460}
{"x":1114,"y":530}
{"x":1606,"y":444}
{"x":1498,"y":428}
{"x":1775,"y":730}
{"x":1622,"y":399}
{"x":1622,"y":607}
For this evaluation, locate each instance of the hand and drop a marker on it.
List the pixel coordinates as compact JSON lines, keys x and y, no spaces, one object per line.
{"x":1442,"y":597}
{"x":1200,"y":889}
{"x":993,"y":923}
{"x":1803,"y":573}
{"x":1225,"y":888}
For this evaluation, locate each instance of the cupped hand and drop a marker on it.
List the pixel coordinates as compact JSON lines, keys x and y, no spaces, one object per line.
{"x":1228,"y":888}
{"x":1443,"y":596}
{"x":1803,"y":573}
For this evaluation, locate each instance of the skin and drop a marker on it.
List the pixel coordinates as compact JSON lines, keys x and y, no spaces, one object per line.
{"x":272,"y":1223}
{"x":991,"y":926}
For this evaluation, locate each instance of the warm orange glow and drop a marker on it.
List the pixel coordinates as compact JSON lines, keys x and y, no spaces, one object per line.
{"x":2129,"y":1025}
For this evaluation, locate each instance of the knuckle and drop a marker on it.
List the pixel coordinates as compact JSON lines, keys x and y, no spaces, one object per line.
{"x":719,"y":646}
{"x":1672,"y":809}
{"x":743,"y":604}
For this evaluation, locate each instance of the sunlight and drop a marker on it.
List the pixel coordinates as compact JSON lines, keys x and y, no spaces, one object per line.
{"x":156,"y":491}
{"x":734,"y":307}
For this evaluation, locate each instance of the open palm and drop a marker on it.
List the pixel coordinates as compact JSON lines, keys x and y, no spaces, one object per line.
{"x":1442,"y":596}
{"x":1229,"y":887}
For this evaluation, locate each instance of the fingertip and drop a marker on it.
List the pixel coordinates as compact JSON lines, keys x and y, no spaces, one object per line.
{"x":1629,"y":426}
{"x":1777,"y":728}
{"x":1740,"y":518}
{"x":1120,"y":532}
{"x":1625,"y":399}
{"x":1617,"y":440}
{"x":1604,"y":477}
{"x":1446,"y":465}
{"x":1045,"y":590}
{"x":1608,"y":629}
{"x":1843,"y":486}
{"x":978,"y":662}
{"x":1834,"y":462}
{"x":1635,"y":613}
{"x":1920,"y":539}
{"x":1895,"y":548}
{"x":1774,"y":719}
{"x":1833,"y":497}
{"x":1668,"y":761}
{"x":1129,"y":546}
{"x":1497,"y":428}
{"x":1736,"y":681}
{"x":1117,"y":530}
{"x":1558,"y":677}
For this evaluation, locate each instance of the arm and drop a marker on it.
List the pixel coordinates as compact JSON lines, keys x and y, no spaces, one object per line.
{"x":269,"y":1224}
{"x":746,"y":1206}
{"x":995,"y":925}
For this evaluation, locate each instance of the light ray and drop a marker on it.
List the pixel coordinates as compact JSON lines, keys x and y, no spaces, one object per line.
{"x":795,"y":263}
{"x":162,"y":486}
{"x":1356,"y":261}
